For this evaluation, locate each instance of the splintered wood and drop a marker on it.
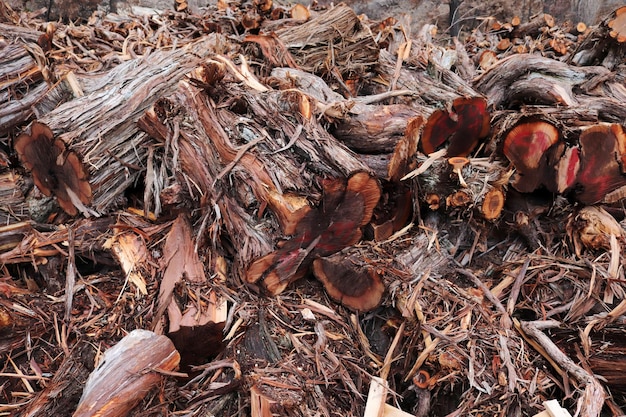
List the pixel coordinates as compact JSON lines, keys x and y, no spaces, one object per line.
{"x":253,"y":210}
{"x":126,"y":373}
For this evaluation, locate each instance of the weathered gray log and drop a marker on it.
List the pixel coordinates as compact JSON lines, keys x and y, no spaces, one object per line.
{"x":332,"y":42}
{"x":532,"y":79}
{"x":22,"y":81}
{"x":101,"y":125}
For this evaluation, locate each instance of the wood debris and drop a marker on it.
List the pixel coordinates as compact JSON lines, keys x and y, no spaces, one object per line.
{"x":252,"y":210}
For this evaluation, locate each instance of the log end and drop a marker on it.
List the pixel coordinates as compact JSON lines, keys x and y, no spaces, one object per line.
{"x":525,"y":146}
{"x":358,"y":288}
{"x":55,"y":169}
{"x":462,"y":126}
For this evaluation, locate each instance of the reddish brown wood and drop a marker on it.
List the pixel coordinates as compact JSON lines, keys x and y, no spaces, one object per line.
{"x":55,"y":169}
{"x":349,"y":282}
{"x":525,"y":146}
{"x":462,"y":126}
{"x":346,"y":206}
{"x":600,"y":172}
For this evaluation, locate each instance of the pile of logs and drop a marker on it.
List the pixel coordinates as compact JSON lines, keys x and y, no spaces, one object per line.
{"x":169,"y":184}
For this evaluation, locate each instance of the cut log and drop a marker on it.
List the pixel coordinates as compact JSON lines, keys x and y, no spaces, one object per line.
{"x":375,"y":129}
{"x":483,"y":191}
{"x":532,"y":79}
{"x":101,"y":126}
{"x":346,"y":206}
{"x":362,"y":125}
{"x":539,"y":24}
{"x":600,"y":172}
{"x":487,"y":59}
{"x":275,"y":156}
{"x":55,"y":169}
{"x":526,"y":147}
{"x":462,"y":126}
{"x":350,"y":281}
{"x":567,"y":169}
{"x":617,"y":24}
{"x":300,"y":12}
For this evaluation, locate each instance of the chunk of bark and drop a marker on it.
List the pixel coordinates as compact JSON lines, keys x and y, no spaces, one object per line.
{"x":462,"y":126}
{"x":126,"y":373}
{"x":55,"y":169}
{"x":526,"y":146}
{"x":356,"y":286}
{"x":182,"y":268}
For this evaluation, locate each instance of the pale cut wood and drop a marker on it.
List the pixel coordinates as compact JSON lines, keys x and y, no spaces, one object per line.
{"x":126,"y":373}
{"x":391,"y":411}
{"x":376,"y":398}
